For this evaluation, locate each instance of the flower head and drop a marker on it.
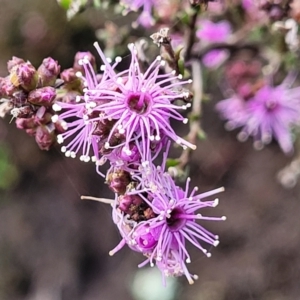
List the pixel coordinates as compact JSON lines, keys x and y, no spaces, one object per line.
{"x":169,"y":221}
{"x":141,"y":104}
{"x":271,"y":112}
{"x":124,"y":109}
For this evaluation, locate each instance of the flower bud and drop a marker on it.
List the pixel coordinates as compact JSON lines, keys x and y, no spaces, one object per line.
{"x":45,"y":137}
{"x":7,"y":89}
{"x":24,"y":75}
{"x":83,"y":55}
{"x":48,"y":71}
{"x":14,"y":62}
{"x":130,"y":204}
{"x":25,"y":123}
{"x":132,"y":156}
{"x":43,"y":96}
{"x":68,"y":75}
{"x":118,"y":181}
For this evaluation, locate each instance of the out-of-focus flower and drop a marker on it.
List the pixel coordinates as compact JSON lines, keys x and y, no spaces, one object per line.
{"x":271,"y":112}
{"x":214,"y":58}
{"x":145,"y":19}
{"x":210,"y":33}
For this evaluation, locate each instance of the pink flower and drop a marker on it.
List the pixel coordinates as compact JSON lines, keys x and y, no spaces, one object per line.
{"x":271,"y":113}
{"x":213,"y":32}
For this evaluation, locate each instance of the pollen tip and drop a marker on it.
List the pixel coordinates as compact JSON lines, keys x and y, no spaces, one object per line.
{"x":223,"y":218}
{"x":111,"y":253}
{"x":78,"y":74}
{"x":208,"y":254}
{"x":216,"y":243}
{"x":216,"y":202}
{"x":118,"y":59}
{"x":54,"y":118}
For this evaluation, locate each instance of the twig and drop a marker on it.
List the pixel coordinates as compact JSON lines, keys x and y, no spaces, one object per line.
{"x":195,"y":127}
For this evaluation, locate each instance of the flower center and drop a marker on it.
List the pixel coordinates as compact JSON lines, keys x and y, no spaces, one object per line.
{"x":271,"y":104}
{"x":175,"y":221}
{"x":139,"y":102}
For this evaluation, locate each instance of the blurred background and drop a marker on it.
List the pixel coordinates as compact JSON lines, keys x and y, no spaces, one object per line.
{"x":54,"y":246}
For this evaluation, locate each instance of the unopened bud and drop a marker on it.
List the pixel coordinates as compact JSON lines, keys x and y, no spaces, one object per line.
{"x":118,"y":181}
{"x":68,"y":75}
{"x":24,"y":75}
{"x":14,"y":62}
{"x":132,"y":155}
{"x":83,"y":57}
{"x":48,"y":71}
{"x":25,"y":123}
{"x":130,"y":204}
{"x":45,"y":137}
{"x":7,"y":89}
{"x":43,"y":96}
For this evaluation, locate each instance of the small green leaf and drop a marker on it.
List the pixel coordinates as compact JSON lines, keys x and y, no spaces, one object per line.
{"x":201,"y":135}
{"x":65,"y":4}
{"x":172,"y":162}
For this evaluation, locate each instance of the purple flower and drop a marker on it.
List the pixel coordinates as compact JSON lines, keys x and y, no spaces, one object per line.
{"x":162,"y":237}
{"x":234,"y":111}
{"x":122,"y":110}
{"x":214,"y":58}
{"x":141,"y":104}
{"x":145,"y":19}
{"x":271,"y":112}
{"x":80,"y":119}
{"x":213,"y":32}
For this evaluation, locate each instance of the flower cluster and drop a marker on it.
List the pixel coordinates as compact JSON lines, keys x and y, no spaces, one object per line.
{"x":29,"y":93}
{"x":124,"y":118}
{"x":270,"y":112}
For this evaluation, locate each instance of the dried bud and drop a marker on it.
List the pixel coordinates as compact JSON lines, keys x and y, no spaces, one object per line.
{"x":86,"y":56}
{"x":48,"y":71}
{"x":161,"y":37}
{"x":14,"y":62}
{"x":118,"y":181}
{"x":25,"y":123}
{"x":45,"y":137}
{"x":43,"y":96}
{"x":24,"y":75}
{"x":19,"y":98}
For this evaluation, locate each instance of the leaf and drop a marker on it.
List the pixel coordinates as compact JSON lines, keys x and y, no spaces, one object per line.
{"x":171,"y":162}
